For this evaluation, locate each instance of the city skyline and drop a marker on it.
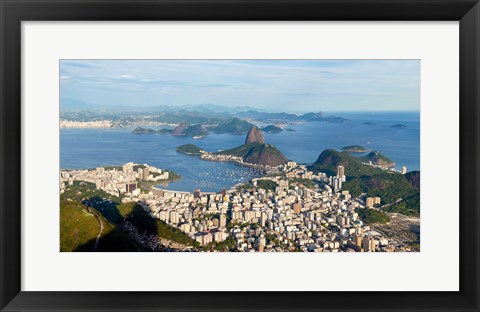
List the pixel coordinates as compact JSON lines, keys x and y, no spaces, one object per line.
{"x":275,"y":85}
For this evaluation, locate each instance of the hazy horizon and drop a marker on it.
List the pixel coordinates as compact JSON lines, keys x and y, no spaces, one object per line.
{"x":293,"y":86}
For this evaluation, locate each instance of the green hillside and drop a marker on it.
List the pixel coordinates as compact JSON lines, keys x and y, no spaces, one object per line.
{"x":165,"y":131}
{"x":233,"y":125}
{"x":79,"y":229}
{"x":414,"y":178}
{"x":330,"y":159}
{"x":392,"y":188}
{"x":266,"y":184}
{"x":272,"y":129}
{"x":378,"y":158}
{"x":140,"y":130}
{"x":257,"y":153}
{"x":401,"y":192}
{"x":81,"y":190}
{"x":195,"y":130}
{"x":372,"y":216}
{"x":189,"y":149}
{"x":240,"y":151}
{"x":354,"y":149}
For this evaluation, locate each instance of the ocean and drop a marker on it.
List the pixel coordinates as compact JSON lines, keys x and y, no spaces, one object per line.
{"x":90,"y":148}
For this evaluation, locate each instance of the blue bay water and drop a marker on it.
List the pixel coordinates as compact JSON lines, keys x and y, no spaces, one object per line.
{"x":89,"y":148}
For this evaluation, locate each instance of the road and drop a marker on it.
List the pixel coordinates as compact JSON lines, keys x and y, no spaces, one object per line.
{"x":97,"y":240}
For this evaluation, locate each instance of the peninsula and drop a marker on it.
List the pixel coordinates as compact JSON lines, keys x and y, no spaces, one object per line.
{"x":254,"y":152}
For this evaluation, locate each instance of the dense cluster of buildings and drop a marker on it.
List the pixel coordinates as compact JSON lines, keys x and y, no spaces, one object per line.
{"x":292,"y":210}
{"x":221,"y":158}
{"x":148,"y":121}
{"x":85,"y":124}
{"x":117,"y":181}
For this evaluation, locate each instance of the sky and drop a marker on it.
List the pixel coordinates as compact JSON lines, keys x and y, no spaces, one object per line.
{"x":272,"y":85}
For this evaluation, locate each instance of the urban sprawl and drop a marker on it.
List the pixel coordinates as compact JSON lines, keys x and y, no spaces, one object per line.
{"x":289,"y":209}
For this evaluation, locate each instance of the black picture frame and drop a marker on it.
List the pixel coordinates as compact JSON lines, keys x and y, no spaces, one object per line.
{"x":13,"y":12}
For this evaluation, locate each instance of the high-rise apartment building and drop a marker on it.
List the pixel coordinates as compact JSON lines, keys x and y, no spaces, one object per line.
{"x":146,"y":173}
{"x":196,"y":193}
{"x":368,"y":244}
{"x":369,"y":202}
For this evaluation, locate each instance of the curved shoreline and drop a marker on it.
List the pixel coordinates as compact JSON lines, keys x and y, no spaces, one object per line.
{"x":237,"y":162}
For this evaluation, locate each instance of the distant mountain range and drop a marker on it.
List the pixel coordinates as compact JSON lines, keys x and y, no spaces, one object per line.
{"x":74,"y":105}
{"x":233,"y":126}
{"x":72,"y":109}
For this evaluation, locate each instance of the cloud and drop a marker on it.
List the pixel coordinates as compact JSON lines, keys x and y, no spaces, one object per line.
{"x":302,"y":94}
{"x":328,"y":84}
{"x":79,"y":63}
{"x":124,"y":76}
{"x":215,"y":85}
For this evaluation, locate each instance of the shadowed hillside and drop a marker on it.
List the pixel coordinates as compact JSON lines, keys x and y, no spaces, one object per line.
{"x":100,"y":223}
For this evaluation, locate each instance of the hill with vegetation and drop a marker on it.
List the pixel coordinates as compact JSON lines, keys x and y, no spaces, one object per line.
{"x":267,"y":184}
{"x":272,"y":129}
{"x":414,"y":178}
{"x":396,"y":192}
{"x":190,"y":149}
{"x":354,"y":149}
{"x":328,"y":161}
{"x":189,"y":117}
{"x":83,"y":207}
{"x":195,"y":130}
{"x":182,"y":129}
{"x":399,"y":193}
{"x":140,"y":130}
{"x":165,"y":131}
{"x":254,"y":151}
{"x":80,"y":226}
{"x":370,"y":216}
{"x":378,"y":159}
{"x":233,"y":125}
{"x":257,"y":153}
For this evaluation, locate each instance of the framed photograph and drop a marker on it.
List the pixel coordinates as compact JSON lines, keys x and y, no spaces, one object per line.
{"x":239,"y":155}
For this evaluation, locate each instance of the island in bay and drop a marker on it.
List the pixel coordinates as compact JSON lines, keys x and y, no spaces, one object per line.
{"x":354,"y":149}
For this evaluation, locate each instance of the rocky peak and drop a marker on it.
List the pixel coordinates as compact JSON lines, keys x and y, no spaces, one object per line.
{"x":254,"y":135}
{"x":180,"y":128}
